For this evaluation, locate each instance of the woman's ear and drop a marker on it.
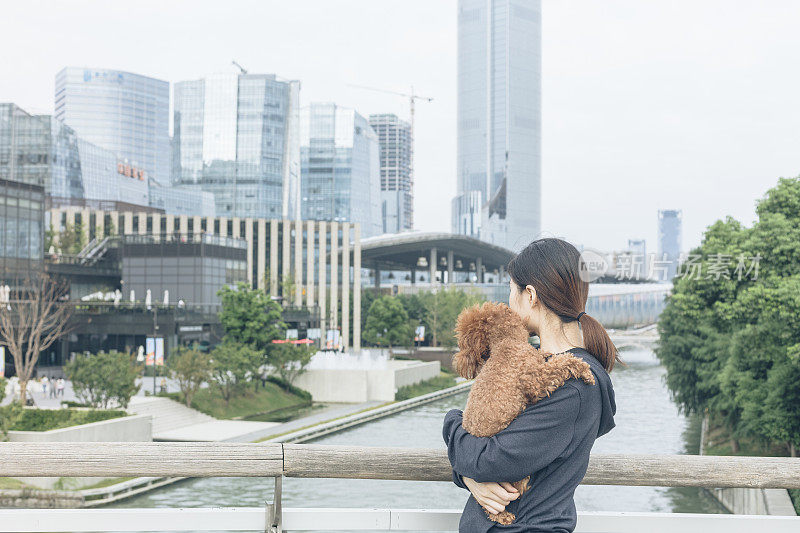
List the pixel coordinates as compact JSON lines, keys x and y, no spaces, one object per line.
{"x":530,"y":295}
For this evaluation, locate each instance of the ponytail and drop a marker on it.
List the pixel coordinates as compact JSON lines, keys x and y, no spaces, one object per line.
{"x":598,"y":343}
{"x":553,"y":267}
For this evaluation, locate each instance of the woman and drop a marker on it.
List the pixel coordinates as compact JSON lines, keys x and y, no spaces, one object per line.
{"x":550,"y":440}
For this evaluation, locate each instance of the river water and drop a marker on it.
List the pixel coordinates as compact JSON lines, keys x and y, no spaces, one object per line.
{"x":647,"y":422}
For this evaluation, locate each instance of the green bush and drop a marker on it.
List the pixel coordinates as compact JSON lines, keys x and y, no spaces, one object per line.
{"x":47,"y":419}
{"x":3,"y":384}
{"x":104,"y":379}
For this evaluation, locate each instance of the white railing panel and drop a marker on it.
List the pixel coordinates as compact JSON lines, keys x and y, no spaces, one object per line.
{"x":255,"y":519}
{"x":605,"y":522}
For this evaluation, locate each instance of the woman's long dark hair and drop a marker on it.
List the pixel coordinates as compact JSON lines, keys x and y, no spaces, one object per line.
{"x":553,"y":267}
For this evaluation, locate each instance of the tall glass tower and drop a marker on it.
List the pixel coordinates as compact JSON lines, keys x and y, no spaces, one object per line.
{"x":237,"y":136}
{"x":670,"y":230}
{"x":125,"y":113}
{"x":397,"y":187}
{"x":499,"y":121}
{"x":340,"y":167}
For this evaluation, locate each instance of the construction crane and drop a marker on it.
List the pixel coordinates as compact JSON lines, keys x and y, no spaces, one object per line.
{"x":412,"y":99}
{"x":234,"y":63}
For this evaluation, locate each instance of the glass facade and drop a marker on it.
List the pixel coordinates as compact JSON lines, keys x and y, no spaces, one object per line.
{"x":236,"y":136}
{"x":125,"y":113}
{"x":499,"y":121}
{"x":397,"y":185}
{"x":21,"y":233}
{"x":181,"y":200}
{"x":340,"y":158}
{"x":40,"y":150}
{"x":192,"y":270}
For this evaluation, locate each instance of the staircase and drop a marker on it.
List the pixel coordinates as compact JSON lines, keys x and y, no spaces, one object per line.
{"x":167,"y":414}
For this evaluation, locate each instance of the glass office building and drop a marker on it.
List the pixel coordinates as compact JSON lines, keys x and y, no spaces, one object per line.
{"x":23,"y":174}
{"x":670,"y":232}
{"x":124,"y":113}
{"x":45,"y":152}
{"x":340,"y":158}
{"x":397,"y":185}
{"x":237,"y":137}
{"x":40,"y":150}
{"x":499,"y":122}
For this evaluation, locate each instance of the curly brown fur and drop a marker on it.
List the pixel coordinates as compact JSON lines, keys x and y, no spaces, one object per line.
{"x":510,"y":373}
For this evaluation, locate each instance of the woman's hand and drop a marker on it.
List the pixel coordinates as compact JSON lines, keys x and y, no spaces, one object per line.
{"x":492,"y":496}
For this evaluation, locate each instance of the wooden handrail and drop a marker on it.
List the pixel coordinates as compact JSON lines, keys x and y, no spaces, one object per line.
{"x":212,"y":459}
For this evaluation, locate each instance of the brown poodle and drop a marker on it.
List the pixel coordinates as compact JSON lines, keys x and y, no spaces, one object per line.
{"x":511,"y":374}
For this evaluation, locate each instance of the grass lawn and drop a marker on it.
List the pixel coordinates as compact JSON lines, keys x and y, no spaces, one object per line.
{"x":247,"y":403}
{"x":8,"y":483}
{"x":442,"y":381}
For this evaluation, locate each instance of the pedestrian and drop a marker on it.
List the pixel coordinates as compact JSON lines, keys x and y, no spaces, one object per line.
{"x":163,"y":385}
{"x":60,"y":387}
{"x":53,"y":387}
{"x":44,"y":382}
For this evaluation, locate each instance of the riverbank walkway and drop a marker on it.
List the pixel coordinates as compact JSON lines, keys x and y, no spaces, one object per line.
{"x":173,"y":421}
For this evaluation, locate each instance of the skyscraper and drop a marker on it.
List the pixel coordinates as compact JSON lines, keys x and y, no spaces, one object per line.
{"x":397,"y":187}
{"x":638,"y":247}
{"x":499,"y":121}
{"x":669,"y":239}
{"x":340,"y":167}
{"x":125,"y":113}
{"x":236,"y":136}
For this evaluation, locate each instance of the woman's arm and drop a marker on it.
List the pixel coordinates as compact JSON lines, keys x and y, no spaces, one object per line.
{"x":536,"y":438}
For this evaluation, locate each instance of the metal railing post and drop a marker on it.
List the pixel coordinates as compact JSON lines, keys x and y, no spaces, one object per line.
{"x":274,"y":510}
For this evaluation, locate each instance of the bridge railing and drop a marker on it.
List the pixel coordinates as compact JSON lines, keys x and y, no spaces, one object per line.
{"x":352,"y":462}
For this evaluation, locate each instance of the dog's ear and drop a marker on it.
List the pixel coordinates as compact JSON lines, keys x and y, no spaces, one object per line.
{"x":467,"y":363}
{"x":473,"y":341}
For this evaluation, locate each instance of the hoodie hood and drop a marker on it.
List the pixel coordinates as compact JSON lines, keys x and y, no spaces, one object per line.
{"x":603,"y":381}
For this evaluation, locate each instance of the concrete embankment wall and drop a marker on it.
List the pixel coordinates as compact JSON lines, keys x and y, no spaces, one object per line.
{"x":359,"y":386}
{"x":134,"y":428}
{"x":755,"y":501}
{"x":750,"y":501}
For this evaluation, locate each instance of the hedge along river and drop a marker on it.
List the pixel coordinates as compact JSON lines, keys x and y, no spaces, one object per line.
{"x":647,"y":422}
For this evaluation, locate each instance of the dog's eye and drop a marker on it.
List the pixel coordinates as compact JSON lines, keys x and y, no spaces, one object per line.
{"x":485,"y":355}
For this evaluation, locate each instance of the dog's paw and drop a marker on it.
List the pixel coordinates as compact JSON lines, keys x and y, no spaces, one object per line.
{"x":504,"y":518}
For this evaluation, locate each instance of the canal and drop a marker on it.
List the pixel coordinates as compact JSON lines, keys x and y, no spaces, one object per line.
{"x":647,"y":422}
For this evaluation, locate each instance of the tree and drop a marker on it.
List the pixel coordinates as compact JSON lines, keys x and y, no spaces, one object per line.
{"x":441,"y":309}
{"x":191,"y":368}
{"x":232,"y":363}
{"x":104,"y":379}
{"x":32,"y":322}
{"x":290,"y":360}
{"x":70,"y":240}
{"x":288,"y":287}
{"x":250,"y":317}
{"x":387,"y":323}
{"x":729,"y":343}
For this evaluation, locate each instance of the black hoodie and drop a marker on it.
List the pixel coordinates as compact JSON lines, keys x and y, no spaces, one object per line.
{"x":549,"y":441}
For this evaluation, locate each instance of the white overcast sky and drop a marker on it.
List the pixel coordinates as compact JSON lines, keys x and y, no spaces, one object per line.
{"x":646,"y":104}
